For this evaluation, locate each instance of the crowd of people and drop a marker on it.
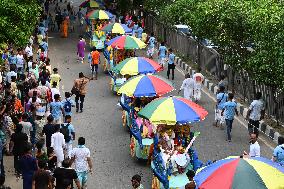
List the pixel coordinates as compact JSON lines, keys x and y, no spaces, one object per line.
{"x":36,"y":121}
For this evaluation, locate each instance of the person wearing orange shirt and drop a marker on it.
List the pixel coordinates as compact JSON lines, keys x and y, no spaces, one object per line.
{"x":95,"y":62}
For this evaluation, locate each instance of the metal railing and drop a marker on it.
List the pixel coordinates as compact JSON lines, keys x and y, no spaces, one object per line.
{"x":210,"y":62}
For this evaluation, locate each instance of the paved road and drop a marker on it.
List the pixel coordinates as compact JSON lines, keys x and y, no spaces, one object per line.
{"x":108,"y":141}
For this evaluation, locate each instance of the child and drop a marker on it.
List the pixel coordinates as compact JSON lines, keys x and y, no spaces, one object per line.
{"x":68,"y":103}
{"x":136,"y":182}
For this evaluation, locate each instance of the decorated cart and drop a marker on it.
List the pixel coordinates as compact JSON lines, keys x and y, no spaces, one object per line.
{"x":96,"y":19}
{"x":141,"y":90}
{"x":173,"y":154}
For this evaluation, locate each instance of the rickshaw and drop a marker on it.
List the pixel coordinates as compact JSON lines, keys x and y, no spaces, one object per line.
{"x":138,"y":92}
{"x":124,"y":47}
{"x":96,"y":19}
{"x":172,"y":154}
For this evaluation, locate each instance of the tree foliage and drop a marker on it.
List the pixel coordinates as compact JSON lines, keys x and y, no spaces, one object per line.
{"x":232,"y":26}
{"x":17,"y":20}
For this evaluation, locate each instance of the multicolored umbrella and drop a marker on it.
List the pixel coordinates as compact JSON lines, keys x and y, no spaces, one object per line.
{"x":137,"y":65}
{"x":117,"y":28}
{"x":126,"y":42}
{"x":146,"y":86}
{"x":99,"y":14}
{"x":241,"y":173}
{"x":173,"y":110}
{"x":91,"y":3}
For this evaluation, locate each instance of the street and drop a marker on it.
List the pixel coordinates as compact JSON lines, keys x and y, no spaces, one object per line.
{"x":100,"y":123}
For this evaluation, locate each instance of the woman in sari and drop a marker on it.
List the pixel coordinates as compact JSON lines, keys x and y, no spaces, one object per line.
{"x":81,"y":49}
{"x":64,"y":26}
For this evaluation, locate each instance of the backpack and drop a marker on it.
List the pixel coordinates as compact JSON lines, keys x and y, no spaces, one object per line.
{"x":65,"y":131}
{"x":67,"y":106}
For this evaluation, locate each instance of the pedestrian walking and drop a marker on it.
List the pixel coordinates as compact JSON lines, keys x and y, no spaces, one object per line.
{"x":67,"y":129}
{"x":81,"y":156}
{"x":80,"y":17}
{"x":136,"y":182}
{"x":255,"y":113}
{"x":95,"y":62}
{"x":18,"y":140}
{"x":151,"y":46}
{"x":81,"y":49}
{"x":64,"y":27}
{"x":48,"y":130}
{"x":56,"y":109}
{"x":222,"y":98}
{"x":40,"y":153}
{"x":162,"y":54}
{"x":58,"y":144}
{"x":278,"y":152}
{"x":199,"y":79}
{"x":55,"y":77}
{"x":20,"y":61}
{"x":223,"y":82}
{"x":187,"y":87}
{"x":79,"y":89}
{"x":58,"y":19}
{"x":171,"y":64}
{"x":54,"y":91}
{"x":28,"y":166}
{"x":68,"y":103}
{"x":27,"y":126}
{"x":64,"y":174}
{"x":254,"y":148}
{"x":42,"y":178}
{"x":229,"y":111}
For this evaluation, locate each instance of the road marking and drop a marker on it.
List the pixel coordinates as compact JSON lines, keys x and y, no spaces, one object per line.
{"x":238,"y":119}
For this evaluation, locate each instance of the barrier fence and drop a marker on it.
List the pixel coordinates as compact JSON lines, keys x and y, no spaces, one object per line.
{"x":210,"y":61}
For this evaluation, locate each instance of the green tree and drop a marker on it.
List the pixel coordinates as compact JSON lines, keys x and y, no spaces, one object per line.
{"x":17,"y":20}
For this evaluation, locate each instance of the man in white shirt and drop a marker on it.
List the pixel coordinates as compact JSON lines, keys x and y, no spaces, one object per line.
{"x":198,"y":79}
{"x":58,"y":143}
{"x":254,"y":148}
{"x":255,"y":114}
{"x":27,"y":126}
{"x":81,"y":156}
{"x":20,"y":61}
{"x":54,"y":90}
{"x":11,"y":73}
{"x":188,"y":87}
{"x":29,"y":50}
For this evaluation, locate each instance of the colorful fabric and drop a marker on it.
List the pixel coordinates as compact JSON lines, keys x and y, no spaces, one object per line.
{"x":95,"y":57}
{"x":91,"y":3}
{"x":126,"y":42}
{"x":240,"y":173}
{"x":99,"y":14}
{"x":137,"y":65}
{"x":117,"y":28}
{"x":173,"y":110}
{"x":146,"y":85}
